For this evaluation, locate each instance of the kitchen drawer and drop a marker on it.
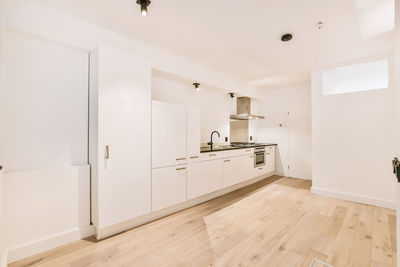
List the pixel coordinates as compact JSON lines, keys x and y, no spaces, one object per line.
{"x":238,"y":152}
{"x":258,"y":171}
{"x":210,"y":156}
{"x":270,"y":149}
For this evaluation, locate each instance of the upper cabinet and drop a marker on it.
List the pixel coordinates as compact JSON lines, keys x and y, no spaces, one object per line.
{"x":193,"y":133}
{"x":120,"y":137}
{"x":168,"y":134}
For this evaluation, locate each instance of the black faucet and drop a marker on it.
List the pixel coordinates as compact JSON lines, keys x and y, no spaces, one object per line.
{"x":211,"y":142}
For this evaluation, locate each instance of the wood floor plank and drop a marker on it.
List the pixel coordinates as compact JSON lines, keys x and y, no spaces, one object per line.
{"x":276,"y":222}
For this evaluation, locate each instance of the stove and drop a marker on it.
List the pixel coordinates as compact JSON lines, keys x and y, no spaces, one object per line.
{"x":242,"y":144}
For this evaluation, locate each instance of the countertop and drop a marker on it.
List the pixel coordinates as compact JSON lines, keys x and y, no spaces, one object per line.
{"x":207,"y":149}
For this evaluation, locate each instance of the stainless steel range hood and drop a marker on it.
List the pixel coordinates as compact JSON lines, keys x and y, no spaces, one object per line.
{"x":244,"y":110}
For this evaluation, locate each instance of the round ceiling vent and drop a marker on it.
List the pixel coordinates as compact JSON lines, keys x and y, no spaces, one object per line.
{"x":286,"y":37}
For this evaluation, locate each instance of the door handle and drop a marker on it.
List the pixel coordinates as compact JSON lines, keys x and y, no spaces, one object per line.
{"x":227,"y":160}
{"x":194,"y":157}
{"x":212,"y":155}
{"x":179,"y":169}
{"x":180,"y":158}
{"x":107,"y":153}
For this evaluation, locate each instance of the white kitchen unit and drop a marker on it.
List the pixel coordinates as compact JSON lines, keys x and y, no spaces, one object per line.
{"x":247,"y":167}
{"x":168,"y":186}
{"x":232,"y":171}
{"x":204,"y":177}
{"x":168,"y":134}
{"x":270,"y":159}
{"x":193,"y":133}
{"x":120,"y":137}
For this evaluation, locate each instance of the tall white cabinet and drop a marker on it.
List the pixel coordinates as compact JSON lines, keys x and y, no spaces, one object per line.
{"x":120,"y":137}
{"x":175,"y":138}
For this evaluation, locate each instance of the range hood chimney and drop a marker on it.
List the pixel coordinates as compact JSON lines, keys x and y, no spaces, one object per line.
{"x":244,"y":110}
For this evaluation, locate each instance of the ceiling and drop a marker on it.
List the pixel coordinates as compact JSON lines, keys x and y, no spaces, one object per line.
{"x":242,"y":38}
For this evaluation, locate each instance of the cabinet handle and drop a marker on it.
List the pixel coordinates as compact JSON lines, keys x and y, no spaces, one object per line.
{"x":267,"y":153}
{"x":251,"y":156}
{"x":227,"y":160}
{"x":179,"y":169}
{"x":180,"y":158}
{"x":107,"y":153}
{"x":260,"y":168}
{"x":247,"y":150}
{"x":194,"y":157}
{"x":212,"y":155}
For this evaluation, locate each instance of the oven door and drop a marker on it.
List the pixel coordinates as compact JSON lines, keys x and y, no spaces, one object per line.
{"x":259,"y":159}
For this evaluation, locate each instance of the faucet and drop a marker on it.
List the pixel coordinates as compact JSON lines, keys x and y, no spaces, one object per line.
{"x":211,"y":142}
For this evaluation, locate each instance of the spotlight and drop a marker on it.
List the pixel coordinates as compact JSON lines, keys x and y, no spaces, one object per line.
{"x":143,"y":6}
{"x":197,"y":86}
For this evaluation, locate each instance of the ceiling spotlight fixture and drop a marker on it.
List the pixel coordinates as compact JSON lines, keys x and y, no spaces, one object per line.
{"x":286,"y":37}
{"x":143,"y":6}
{"x":319,"y":25}
{"x":197,"y":86}
{"x":232,"y":95}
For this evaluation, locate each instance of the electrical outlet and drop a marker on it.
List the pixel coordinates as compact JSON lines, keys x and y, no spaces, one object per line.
{"x":226,"y":139}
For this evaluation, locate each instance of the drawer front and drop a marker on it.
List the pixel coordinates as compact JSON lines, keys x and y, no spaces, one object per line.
{"x":270,"y":149}
{"x":238,"y":152}
{"x":258,"y":171}
{"x":211,"y":156}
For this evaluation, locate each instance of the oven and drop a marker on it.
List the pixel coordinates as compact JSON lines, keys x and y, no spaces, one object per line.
{"x":259,"y":157}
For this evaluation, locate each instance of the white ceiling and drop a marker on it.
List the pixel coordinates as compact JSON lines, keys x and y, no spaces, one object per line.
{"x":242,"y":38}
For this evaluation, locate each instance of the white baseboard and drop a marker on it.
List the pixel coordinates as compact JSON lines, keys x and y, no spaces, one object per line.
{"x":355,"y":198}
{"x":3,"y":258}
{"x":49,"y":242}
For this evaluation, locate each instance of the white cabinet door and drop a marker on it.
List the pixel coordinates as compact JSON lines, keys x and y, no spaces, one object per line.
{"x":193,"y":133}
{"x":270,"y":161}
{"x":247,"y":167}
{"x":168,"y":186}
{"x":168,"y":134}
{"x":122,"y":172}
{"x":204,"y":177}
{"x":232,"y":171}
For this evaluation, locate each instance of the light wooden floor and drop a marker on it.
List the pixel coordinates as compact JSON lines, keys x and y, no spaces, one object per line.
{"x":275,"y":222}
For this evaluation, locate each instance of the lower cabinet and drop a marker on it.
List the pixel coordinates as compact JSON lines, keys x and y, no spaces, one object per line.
{"x":168,"y":186}
{"x":270,"y":161}
{"x":247,"y":167}
{"x":204,"y":177}
{"x":258,"y":171}
{"x":231,"y":169}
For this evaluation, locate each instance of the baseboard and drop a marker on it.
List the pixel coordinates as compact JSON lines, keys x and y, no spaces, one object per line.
{"x":355,"y":198}
{"x":129,"y":224}
{"x":49,"y":242}
{"x":3,"y":258}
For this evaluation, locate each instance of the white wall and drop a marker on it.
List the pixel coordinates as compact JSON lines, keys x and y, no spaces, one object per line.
{"x":44,"y":132}
{"x":288,"y":123}
{"x":44,"y":103}
{"x":3,"y":252}
{"x":45,"y":209}
{"x":353,"y":143}
{"x":215,"y":107}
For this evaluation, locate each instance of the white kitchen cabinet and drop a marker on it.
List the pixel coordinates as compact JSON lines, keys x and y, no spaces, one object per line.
{"x":193,"y":133}
{"x":247,"y":167}
{"x":270,"y":160}
{"x":120,"y":137}
{"x":168,"y":186}
{"x":258,"y":171}
{"x":204,"y":177}
{"x":231,"y":170}
{"x":168,"y":134}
